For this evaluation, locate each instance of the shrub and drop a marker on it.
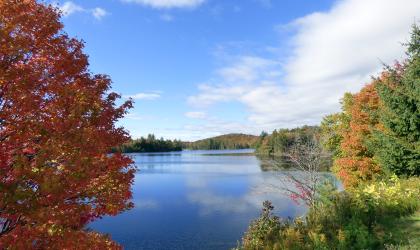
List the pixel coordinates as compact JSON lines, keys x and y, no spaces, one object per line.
{"x":359,"y":219}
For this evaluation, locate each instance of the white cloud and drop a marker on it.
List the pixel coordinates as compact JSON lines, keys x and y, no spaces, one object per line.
{"x":144,"y":96}
{"x":162,"y":4}
{"x":136,"y":117}
{"x":196,"y":115}
{"x":193,"y":130}
{"x":247,"y":69}
{"x":166,"y":17}
{"x":332,"y":52}
{"x":99,"y":13}
{"x":215,"y":127}
{"x":69,"y":8}
{"x":210,"y":94}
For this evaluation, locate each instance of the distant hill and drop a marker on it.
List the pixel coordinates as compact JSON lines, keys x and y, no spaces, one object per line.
{"x":228,"y":141}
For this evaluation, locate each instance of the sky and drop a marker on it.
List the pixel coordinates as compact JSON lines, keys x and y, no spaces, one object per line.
{"x":201,"y":68}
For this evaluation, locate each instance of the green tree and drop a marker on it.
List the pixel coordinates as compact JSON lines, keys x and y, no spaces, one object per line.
{"x":398,"y":146}
{"x":333,"y":126}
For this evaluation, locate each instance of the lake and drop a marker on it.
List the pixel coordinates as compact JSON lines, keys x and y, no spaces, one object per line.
{"x":195,"y":200}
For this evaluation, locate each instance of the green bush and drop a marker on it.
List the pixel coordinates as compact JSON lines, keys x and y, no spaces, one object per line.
{"x":359,"y":219}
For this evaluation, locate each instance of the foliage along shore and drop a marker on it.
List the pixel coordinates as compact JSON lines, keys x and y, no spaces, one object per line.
{"x":280,"y":141}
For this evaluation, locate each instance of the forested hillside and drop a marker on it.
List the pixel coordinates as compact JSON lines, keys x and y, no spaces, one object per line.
{"x":229,"y":141}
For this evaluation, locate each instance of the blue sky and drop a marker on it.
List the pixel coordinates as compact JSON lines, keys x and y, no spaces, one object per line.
{"x":199,"y":68}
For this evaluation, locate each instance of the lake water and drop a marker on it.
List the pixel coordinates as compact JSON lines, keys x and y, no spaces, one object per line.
{"x":195,"y":200}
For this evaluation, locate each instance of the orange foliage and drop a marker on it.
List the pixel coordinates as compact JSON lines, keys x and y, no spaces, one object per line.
{"x":355,"y":162}
{"x":56,"y":129}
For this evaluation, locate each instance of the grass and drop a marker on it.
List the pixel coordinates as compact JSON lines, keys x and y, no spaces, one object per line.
{"x":406,"y":231}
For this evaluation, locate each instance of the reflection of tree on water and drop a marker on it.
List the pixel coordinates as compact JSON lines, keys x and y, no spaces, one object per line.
{"x":274,"y":163}
{"x":283,"y":162}
{"x":300,"y":168}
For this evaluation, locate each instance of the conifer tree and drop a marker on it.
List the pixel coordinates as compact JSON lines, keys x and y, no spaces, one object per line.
{"x":398,"y":145}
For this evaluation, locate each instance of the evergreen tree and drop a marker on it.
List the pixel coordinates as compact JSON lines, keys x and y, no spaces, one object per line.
{"x":398,"y":146}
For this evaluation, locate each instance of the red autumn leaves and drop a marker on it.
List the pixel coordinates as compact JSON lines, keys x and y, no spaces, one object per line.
{"x":57,"y":126}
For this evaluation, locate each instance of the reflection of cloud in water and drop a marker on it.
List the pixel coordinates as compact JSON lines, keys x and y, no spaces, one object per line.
{"x":210,"y":201}
{"x":145,"y":204}
{"x":189,"y":163}
{"x":197,"y":183}
{"x":192,"y":167}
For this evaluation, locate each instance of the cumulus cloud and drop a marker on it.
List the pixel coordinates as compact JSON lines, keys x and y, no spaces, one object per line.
{"x":199,"y":129}
{"x":166,"y":4}
{"x":136,"y":117}
{"x":99,"y":13}
{"x":210,"y":94}
{"x":237,"y":79}
{"x":332,"y":52}
{"x":69,"y":8}
{"x":215,"y":127}
{"x":248,"y":69}
{"x":144,"y":96}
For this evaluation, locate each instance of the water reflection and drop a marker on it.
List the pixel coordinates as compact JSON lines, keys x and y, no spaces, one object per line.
{"x":195,"y":200}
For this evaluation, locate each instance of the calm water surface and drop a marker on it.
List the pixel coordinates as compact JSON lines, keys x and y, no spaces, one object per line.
{"x":195,"y":200}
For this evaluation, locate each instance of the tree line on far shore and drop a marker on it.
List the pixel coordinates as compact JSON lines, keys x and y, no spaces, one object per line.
{"x":228,"y":141}
{"x":153,"y":144}
{"x":274,"y":144}
{"x":150,"y":144}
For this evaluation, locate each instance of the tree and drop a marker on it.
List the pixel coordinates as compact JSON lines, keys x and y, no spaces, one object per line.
{"x":57,"y":127}
{"x":378,"y":129}
{"x":279,"y":141}
{"x":335,"y":125}
{"x":398,"y":145}
{"x":307,"y":156}
{"x":303,"y":182}
{"x":349,"y":133}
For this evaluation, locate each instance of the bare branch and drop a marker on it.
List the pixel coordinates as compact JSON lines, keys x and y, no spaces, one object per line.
{"x":302,"y":183}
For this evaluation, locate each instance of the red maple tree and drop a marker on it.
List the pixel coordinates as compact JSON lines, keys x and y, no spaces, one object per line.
{"x":57,"y":126}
